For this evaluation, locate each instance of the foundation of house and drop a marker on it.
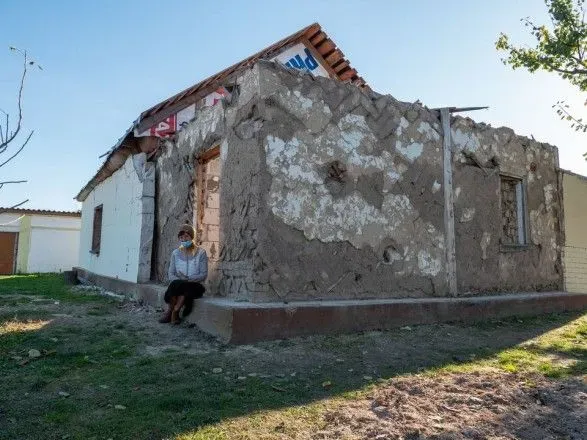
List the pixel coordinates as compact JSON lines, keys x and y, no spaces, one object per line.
{"x":240,"y":322}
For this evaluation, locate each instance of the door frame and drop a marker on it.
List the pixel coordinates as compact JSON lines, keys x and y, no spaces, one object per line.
{"x":201,"y":160}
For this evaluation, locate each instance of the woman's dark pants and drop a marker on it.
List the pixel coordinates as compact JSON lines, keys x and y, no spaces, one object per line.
{"x":189,"y":289}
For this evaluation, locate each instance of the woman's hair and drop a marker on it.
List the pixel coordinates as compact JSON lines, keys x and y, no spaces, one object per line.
{"x":187,"y":229}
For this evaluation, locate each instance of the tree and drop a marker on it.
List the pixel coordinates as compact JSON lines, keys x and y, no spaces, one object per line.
{"x":560,"y":48}
{"x":10,"y":144}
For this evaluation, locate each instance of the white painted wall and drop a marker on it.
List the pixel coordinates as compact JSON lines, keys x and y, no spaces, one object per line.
{"x":54,"y":243}
{"x":121,"y":197}
{"x":10,"y":222}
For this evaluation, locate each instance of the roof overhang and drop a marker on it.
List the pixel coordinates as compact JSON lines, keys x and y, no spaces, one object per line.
{"x":322,"y":48}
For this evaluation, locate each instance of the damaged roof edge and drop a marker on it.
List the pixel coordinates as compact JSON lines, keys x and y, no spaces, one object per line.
{"x":312,"y":36}
{"x":148,"y":116}
{"x":99,"y":176}
{"x":317,"y":41}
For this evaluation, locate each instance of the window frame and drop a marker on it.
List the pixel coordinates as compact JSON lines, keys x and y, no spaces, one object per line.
{"x":522,"y":210}
{"x":97,"y":232}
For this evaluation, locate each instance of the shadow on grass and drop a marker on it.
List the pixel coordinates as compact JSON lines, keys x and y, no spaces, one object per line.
{"x":114,"y":390}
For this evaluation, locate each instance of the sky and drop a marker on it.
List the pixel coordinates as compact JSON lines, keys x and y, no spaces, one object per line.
{"x":105,"y":62}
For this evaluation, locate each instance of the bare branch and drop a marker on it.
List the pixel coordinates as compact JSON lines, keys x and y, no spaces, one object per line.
{"x":13,"y":206}
{"x":11,"y":181}
{"x":9,"y":137}
{"x":4,"y":132}
{"x":8,"y":134}
{"x":19,"y":150}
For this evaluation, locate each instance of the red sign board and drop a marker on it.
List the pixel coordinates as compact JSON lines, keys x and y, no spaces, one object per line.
{"x":165,"y":128}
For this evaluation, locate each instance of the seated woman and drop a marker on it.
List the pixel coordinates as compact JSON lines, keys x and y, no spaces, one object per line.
{"x":188,"y":268}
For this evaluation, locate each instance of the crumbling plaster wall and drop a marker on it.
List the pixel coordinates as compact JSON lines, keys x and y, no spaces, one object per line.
{"x":176,"y":177}
{"x":331,"y":192}
{"x":351,"y":200}
{"x":484,"y":264}
{"x":353,"y":204}
{"x":232,"y":125}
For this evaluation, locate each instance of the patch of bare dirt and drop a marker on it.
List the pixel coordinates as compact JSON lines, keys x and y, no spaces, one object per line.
{"x":163,"y":338}
{"x":465,"y":407}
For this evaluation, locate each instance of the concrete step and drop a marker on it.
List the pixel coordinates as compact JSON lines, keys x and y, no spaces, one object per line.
{"x":151,"y":294}
{"x":241,"y":322}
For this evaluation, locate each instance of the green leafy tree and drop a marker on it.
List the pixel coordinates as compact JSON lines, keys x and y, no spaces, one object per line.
{"x":561,"y":47}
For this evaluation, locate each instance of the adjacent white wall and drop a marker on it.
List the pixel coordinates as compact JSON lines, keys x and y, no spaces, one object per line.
{"x":46,"y":243}
{"x":54,"y":243}
{"x":10,"y":222}
{"x":121,"y":197}
{"x":575,"y":250}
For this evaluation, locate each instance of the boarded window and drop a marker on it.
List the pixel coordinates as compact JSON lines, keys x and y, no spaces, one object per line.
{"x":97,"y":230}
{"x":513,"y":211}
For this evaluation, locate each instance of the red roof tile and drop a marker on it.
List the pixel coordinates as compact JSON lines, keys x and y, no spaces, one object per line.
{"x":40,"y":212}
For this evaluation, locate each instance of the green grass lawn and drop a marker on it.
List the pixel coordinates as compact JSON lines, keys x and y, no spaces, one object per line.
{"x":108,"y":370}
{"x":43,"y":286}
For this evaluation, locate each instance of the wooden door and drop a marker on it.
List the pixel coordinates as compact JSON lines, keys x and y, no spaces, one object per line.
{"x":208,"y":210}
{"x":7,"y":252}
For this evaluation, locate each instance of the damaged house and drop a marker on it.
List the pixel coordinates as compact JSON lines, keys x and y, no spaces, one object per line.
{"x":310,"y":191}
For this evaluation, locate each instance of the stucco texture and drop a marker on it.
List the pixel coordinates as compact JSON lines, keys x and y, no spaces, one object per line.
{"x":484,"y":262}
{"x":328,"y":192}
{"x":176,"y":191}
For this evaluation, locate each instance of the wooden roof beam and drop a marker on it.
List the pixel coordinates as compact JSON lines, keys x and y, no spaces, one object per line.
{"x":326,"y":47}
{"x":347,"y":74}
{"x":338,"y":68}
{"x":318,"y":38}
{"x":334,"y":57}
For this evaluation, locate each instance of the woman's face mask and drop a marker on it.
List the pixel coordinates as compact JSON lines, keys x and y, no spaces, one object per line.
{"x":185,"y":240}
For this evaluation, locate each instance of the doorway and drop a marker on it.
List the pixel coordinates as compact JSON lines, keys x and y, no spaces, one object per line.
{"x":208,"y":210}
{"x":8,"y":241}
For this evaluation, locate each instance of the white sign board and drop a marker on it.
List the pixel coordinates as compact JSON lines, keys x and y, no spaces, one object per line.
{"x":301,"y":58}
